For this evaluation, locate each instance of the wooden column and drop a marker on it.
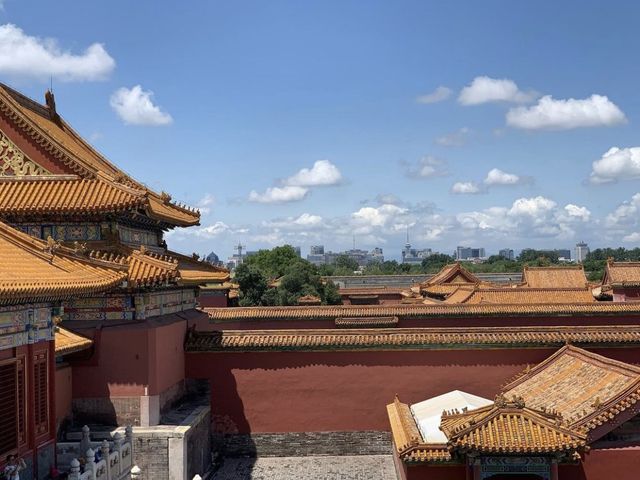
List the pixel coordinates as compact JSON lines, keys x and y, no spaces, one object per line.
{"x":477,"y":469}
{"x":554,"y":469}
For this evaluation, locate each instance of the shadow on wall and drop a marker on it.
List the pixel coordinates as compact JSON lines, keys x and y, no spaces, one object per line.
{"x":227,"y":441}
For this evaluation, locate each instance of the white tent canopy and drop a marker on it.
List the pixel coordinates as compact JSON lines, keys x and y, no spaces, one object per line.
{"x":428,"y":413}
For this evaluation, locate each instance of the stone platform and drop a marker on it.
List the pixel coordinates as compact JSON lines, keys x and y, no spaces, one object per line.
{"x":360,"y":467}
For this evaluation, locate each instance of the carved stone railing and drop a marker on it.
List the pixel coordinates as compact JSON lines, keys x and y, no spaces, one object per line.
{"x":113,"y":462}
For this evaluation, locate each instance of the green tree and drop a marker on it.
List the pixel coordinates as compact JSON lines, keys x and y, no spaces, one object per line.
{"x":253,"y":284}
{"x":343,"y":262}
{"x":434,"y":263}
{"x":273,"y":263}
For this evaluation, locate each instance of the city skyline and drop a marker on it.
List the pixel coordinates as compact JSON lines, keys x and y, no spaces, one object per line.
{"x":297,"y":128}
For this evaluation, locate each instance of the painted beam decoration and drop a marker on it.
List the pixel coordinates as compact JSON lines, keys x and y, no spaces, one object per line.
{"x":22,"y":325}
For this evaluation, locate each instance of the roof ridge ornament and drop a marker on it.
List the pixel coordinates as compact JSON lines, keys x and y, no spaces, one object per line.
{"x":50,"y":100}
{"x":52,"y":246}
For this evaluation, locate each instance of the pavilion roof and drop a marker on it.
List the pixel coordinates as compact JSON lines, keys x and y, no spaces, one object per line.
{"x":523,"y":295}
{"x":147,"y":268}
{"x":112,"y":189}
{"x":33,"y":270}
{"x":568,"y":276}
{"x":510,"y":428}
{"x":585,"y":388}
{"x":452,"y":273}
{"x":622,"y":274}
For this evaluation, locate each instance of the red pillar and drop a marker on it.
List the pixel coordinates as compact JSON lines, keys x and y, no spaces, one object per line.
{"x":554,"y":469}
{"x":477,"y":469}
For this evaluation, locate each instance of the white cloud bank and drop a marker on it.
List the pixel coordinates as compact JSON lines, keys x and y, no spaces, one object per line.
{"x":465,"y":188}
{"x":296,"y":187}
{"x":288,"y":193}
{"x":427,"y":167}
{"x":552,"y":114}
{"x":485,"y":89}
{"x":454,"y":139}
{"x":440,"y":94}
{"x":135,"y":107}
{"x":34,"y":57}
{"x":322,"y":173}
{"x":616,"y":164}
{"x":498,"y":177}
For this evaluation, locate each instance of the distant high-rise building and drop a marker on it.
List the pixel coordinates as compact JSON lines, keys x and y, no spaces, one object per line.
{"x":298,"y":251}
{"x":582,"y":250}
{"x":563,"y":254}
{"x":506,"y":253}
{"x":468,"y":253}
{"x":316,"y":250}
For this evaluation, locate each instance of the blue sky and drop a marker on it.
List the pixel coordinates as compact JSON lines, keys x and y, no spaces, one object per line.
{"x":398,"y":111}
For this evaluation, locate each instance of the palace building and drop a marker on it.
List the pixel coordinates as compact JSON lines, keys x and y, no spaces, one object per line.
{"x":35,"y":278}
{"x":102,"y":323}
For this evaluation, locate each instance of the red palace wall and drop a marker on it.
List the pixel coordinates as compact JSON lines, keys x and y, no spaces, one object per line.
{"x":130,"y":357}
{"x":63,"y":393}
{"x":348,"y":391}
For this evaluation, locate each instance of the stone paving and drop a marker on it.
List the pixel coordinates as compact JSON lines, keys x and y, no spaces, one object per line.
{"x":361,"y":467}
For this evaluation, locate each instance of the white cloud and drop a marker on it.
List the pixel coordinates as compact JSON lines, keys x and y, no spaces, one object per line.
{"x":135,"y":107}
{"x":438,"y":95}
{"x":632,"y":237}
{"x":485,"y":89}
{"x":616,"y":164}
{"x":322,"y":173}
{"x":210,"y":231}
{"x":27,"y":56}
{"x":551,"y":114}
{"x":427,"y":167}
{"x":534,"y":207}
{"x":304,"y":221}
{"x":206,"y":203}
{"x":379,"y":216}
{"x":464,"y":188}
{"x":498,"y":177}
{"x":627,"y":213}
{"x":288,"y":193}
{"x":454,"y":139}
{"x":575,"y":212}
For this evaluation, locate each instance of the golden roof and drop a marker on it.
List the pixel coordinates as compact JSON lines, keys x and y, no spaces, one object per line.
{"x":452,"y":273}
{"x":35,"y":270}
{"x":67,"y":342}
{"x":510,"y":428}
{"x":586,"y":389}
{"x":28,"y":196}
{"x":410,"y":338}
{"x":570,"y":276}
{"x":147,"y":268}
{"x":525,"y":295}
{"x":420,"y":310}
{"x":622,"y":274}
{"x":75,"y":156}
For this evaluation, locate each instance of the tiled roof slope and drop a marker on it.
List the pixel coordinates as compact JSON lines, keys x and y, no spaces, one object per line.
{"x":555,"y":277}
{"x":29,"y":272}
{"x":67,"y":342}
{"x":419,"y":311}
{"x":147,"y":268}
{"x":511,"y":429}
{"x":453,"y":273}
{"x":622,"y":274}
{"x":58,"y":196}
{"x":409,"y":338}
{"x":585,"y":388}
{"x":524,"y":295}
{"x":46,"y":128}
{"x":407,"y":439}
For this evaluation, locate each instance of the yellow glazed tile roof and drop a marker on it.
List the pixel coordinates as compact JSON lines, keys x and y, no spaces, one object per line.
{"x":512,"y":429}
{"x":555,"y":277}
{"x":622,"y":273}
{"x":30,"y":271}
{"x":585,"y":388}
{"x":410,"y":338}
{"x":67,"y":147}
{"x":420,"y":310}
{"x":67,"y":342}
